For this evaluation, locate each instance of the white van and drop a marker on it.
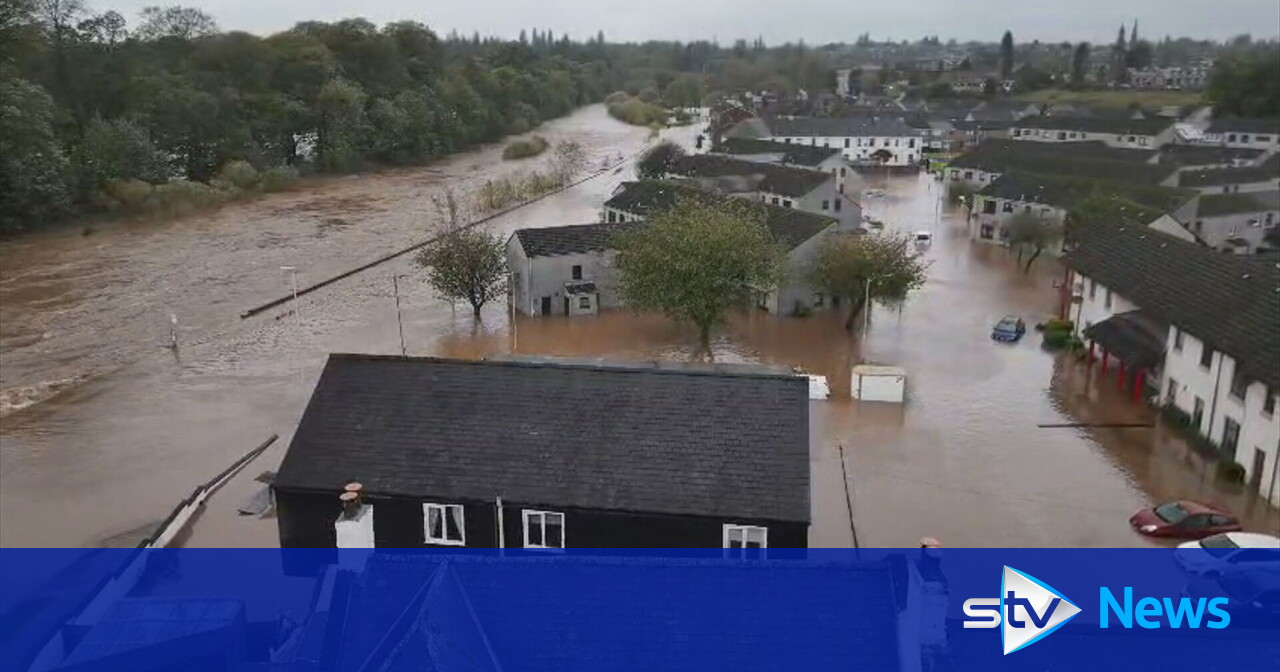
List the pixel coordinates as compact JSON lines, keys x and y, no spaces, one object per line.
{"x":924,"y":238}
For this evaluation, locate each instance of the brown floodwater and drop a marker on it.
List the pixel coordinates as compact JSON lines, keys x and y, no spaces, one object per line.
{"x":103,"y":430}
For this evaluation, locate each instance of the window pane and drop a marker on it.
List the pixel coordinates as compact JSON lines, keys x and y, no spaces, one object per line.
{"x":555,"y":530}
{"x":434,"y":530}
{"x":455,"y":523}
{"x":735,"y":537}
{"x":533,"y":530}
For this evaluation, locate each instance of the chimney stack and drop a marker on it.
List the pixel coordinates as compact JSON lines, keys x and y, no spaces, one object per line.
{"x":354,"y":527}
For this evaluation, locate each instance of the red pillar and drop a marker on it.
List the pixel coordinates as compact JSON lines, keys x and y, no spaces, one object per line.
{"x":1104,"y":361}
{"x":1137,"y":385}
{"x":1120,"y":376}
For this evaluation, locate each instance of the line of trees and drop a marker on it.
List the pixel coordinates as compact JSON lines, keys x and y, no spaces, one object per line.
{"x":98,"y":110}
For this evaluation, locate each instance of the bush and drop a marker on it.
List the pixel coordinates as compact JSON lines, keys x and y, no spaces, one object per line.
{"x":1057,"y":324}
{"x":1232,"y":472}
{"x":1056,"y":340}
{"x":181,"y":197}
{"x":240,"y":174}
{"x":616,"y":97}
{"x":129,"y":195}
{"x":523,"y":149}
{"x":958,"y":190}
{"x":278,"y":178}
{"x":637,"y":112}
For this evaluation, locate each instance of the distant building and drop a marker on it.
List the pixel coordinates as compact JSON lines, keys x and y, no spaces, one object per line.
{"x":1244,"y":132}
{"x":1237,"y":222}
{"x":822,"y":159}
{"x":1175,"y":78}
{"x":1050,"y":197}
{"x":563,"y":270}
{"x":864,"y":140}
{"x":800,"y":234}
{"x":1264,"y":177}
{"x":815,"y":191}
{"x":1190,"y":327}
{"x":1114,"y":131}
{"x":547,"y":455}
{"x":982,"y":165}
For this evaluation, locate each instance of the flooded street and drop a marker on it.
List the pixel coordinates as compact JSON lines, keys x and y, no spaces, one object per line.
{"x":104,"y":429}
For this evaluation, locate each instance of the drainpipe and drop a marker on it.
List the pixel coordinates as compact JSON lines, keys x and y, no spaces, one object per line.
{"x":1213,"y":404}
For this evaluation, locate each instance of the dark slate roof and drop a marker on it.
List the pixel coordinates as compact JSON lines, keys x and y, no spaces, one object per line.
{"x":1231,"y":301}
{"x":572,"y":288}
{"x":1224,"y":176}
{"x":1064,"y":191}
{"x":793,"y":154}
{"x":775,"y":179}
{"x":1245,"y":125}
{"x":1001,"y":149}
{"x":641,"y":439}
{"x":854,"y":126}
{"x":574,"y":239}
{"x":789,"y":226}
{"x":1205,"y":155}
{"x":1116,"y":126}
{"x":1000,"y":160}
{"x":1134,"y":337}
{"x":1217,"y":205}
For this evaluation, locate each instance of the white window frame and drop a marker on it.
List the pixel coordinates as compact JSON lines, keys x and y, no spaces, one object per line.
{"x":427,"y":508}
{"x":527,"y":514}
{"x":746,"y":530}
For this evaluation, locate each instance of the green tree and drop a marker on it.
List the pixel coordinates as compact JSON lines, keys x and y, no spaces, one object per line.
{"x":340,"y":131}
{"x":116,"y":150}
{"x":33,"y":170}
{"x":879,"y":267}
{"x":1028,"y":232}
{"x":657,"y":161}
{"x":696,"y":261}
{"x":1006,"y":55}
{"x":1079,"y":64}
{"x":1247,"y":84}
{"x":466,"y":265}
{"x":683,"y":91}
{"x":183,"y":23}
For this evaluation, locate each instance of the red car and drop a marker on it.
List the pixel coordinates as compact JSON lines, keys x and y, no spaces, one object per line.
{"x":1184,"y":519}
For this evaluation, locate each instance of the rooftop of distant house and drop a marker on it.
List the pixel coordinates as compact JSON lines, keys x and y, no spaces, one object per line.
{"x":554,"y":241}
{"x":1218,"y":205}
{"x":793,"y":154}
{"x":1065,"y":191}
{"x":1111,"y":125}
{"x":884,"y":126}
{"x":1227,"y":300}
{"x":1102,"y":163}
{"x":773,"y":178}
{"x":1225,"y":176}
{"x":1264,"y":125}
{"x":789,"y":226}
{"x":659,"y":438}
{"x":1203,"y":155}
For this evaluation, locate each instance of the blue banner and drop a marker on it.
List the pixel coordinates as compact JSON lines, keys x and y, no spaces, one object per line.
{"x":884,"y":609}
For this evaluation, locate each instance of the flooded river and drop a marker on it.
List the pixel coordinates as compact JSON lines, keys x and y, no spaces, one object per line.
{"x":104,"y":429}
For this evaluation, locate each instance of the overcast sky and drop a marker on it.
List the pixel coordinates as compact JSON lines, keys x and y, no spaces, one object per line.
{"x":815,"y":21}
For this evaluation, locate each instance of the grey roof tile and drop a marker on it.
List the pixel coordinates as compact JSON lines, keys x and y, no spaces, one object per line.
{"x":602,"y":437}
{"x":553,"y":241}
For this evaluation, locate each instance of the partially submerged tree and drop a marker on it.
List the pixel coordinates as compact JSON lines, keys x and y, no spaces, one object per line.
{"x":696,"y":261}
{"x":657,"y":160}
{"x":879,"y":267}
{"x":466,"y":264}
{"x":568,"y":160}
{"x":1029,"y":232}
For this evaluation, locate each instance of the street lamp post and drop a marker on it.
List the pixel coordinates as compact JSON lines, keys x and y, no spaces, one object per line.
{"x":293,"y":282}
{"x":395,"y":284}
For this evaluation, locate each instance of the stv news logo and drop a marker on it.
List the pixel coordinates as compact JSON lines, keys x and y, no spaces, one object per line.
{"x":1026,"y":611}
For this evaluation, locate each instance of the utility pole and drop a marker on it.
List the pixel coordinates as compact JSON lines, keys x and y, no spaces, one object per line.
{"x":511,"y":293}
{"x":293,"y":274}
{"x":395,"y":284}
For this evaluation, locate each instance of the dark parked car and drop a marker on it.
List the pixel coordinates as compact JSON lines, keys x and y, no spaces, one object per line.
{"x":1184,"y":519}
{"x":1009,"y":329}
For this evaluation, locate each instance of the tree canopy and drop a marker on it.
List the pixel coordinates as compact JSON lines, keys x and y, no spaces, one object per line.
{"x":883,"y":266}
{"x":1247,"y":84}
{"x":697,"y":260}
{"x":466,"y":264}
{"x":658,"y":160}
